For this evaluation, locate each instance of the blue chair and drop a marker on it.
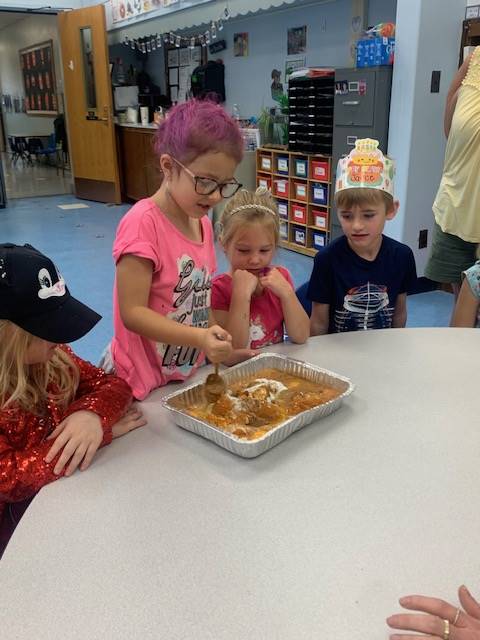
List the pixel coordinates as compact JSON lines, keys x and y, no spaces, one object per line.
{"x":49,"y":150}
{"x":301,"y":294}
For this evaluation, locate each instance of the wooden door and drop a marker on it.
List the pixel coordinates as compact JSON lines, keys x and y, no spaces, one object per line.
{"x":89,"y":108}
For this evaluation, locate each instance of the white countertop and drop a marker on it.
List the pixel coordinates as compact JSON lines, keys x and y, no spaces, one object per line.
{"x":167,"y":536}
{"x":138,"y":125}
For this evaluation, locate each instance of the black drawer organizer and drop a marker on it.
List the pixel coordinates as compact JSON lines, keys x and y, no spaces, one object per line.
{"x":310,"y":111}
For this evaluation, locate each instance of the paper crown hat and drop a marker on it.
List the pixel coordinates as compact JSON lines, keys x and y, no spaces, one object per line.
{"x":365,"y":167}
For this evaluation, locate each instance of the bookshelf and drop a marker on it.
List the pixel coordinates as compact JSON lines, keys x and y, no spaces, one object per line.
{"x":302,"y":186}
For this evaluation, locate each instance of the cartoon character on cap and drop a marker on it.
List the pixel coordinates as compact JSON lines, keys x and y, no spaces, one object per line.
{"x":47,"y":287}
{"x":365,"y":167}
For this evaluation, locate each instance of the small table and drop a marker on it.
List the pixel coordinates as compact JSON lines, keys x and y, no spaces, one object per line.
{"x":169,"y":536}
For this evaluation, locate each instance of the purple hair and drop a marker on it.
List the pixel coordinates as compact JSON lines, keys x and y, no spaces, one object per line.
{"x":197,"y":127}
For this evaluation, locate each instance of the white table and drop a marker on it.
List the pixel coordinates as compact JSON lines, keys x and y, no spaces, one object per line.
{"x":169,"y":537}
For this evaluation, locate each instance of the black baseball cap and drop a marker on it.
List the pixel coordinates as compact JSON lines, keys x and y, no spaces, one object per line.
{"x":34,"y":296}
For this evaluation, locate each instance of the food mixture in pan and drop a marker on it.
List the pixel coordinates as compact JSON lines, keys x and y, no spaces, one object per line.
{"x":251,"y":407}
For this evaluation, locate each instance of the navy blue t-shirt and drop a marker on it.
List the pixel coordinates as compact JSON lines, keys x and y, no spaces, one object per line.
{"x":361,"y":293}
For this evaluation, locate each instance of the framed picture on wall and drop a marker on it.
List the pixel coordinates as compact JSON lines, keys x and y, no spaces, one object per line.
{"x":297,"y":40}
{"x":240,"y":45}
{"x":38,"y":72}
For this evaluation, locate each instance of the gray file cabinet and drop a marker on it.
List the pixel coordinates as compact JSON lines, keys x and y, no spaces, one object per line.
{"x":361,"y":110}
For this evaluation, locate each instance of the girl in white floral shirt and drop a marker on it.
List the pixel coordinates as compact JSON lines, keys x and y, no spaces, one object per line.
{"x":468,"y":304}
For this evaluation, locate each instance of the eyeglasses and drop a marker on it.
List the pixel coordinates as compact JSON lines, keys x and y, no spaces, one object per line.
{"x":207,"y":186}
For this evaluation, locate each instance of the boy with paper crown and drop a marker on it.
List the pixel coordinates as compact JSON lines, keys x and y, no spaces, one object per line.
{"x":360,"y":280}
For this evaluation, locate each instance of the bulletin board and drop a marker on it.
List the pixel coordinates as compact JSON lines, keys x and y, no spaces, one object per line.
{"x":38,"y":72}
{"x":179,"y":65}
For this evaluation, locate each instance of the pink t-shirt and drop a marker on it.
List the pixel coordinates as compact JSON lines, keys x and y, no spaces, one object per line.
{"x":181,"y":289}
{"x":266,"y":313}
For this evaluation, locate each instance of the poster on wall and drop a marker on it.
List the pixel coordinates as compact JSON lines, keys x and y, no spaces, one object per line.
{"x":297,"y":40}
{"x":196,"y":55}
{"x":38,"y":72}
{"x":121,"y":10}
{"x":173,"y":58}
{"x":240,"y":45}
{"x":133,"y":10}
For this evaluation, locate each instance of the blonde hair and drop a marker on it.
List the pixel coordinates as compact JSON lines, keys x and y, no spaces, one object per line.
{"x":248,"y":207}
{"x":28,"y":385}
{"x":363,"y":196}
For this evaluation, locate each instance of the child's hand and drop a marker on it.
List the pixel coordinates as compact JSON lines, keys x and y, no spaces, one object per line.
{"x":276,"y":283}
{"x":240,"y":355}
{"x":245,"y":282}
{"x":80,"y":435}
{"x":217,"y":344}
{"x":132,"y":419}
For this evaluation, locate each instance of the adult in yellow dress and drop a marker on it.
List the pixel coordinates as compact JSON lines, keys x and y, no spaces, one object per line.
{"x":457,"y":204}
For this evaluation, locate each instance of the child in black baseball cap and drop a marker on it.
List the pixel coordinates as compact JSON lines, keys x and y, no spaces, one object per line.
{"x":56,"y":410}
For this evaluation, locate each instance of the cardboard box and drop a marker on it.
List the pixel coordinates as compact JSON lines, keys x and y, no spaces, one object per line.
{"x":374,"y":52}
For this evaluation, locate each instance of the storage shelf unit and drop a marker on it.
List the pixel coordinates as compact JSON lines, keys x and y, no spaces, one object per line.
{"x":301,"y":184}
{"x":310,"y":112}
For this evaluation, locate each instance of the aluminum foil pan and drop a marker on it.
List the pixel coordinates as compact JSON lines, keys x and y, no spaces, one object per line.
{"x":193,"y":394}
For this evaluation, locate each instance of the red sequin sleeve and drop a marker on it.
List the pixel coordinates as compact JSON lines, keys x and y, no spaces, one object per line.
{"x":104,"y":394}
{"x":23,"y":470}
{"x":23,"y":444}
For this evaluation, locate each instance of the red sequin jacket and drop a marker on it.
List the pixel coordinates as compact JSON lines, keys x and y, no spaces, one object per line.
{"x":23,"y":443}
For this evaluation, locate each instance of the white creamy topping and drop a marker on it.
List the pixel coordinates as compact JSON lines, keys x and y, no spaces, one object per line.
{"x":273,"y":387}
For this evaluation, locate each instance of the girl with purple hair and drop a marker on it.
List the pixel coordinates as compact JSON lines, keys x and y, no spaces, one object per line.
{"x":164,"y":252}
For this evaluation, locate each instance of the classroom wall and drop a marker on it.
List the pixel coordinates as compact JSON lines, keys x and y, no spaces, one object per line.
{"x":31,"y":5}
{"x":416,"y":137}
{"x":268,"y":46}
{"x":27,"y":31}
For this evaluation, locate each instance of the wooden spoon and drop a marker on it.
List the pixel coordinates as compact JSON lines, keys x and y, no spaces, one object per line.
{"x":214,"y":386}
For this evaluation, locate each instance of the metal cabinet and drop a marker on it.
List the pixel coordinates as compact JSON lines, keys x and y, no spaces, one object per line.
{"x":361,"y":110}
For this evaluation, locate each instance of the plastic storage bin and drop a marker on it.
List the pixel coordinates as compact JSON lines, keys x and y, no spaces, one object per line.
{"x":320,"y":170}
{"x":283,"y":209}
{"x":265,"y":182}
{"x":282,"y":165}
{"x":320,"y":218}
{"x":299,"y":235}
{"x":300,"y":191}
{"x":280,"y":187}
{"x":300,"y":167}
{"x":265,"y":163}
{"x":319,"y":239}
{"x":283,"y":230}
{"x":319,"y":193}
{"x":299,"y":213}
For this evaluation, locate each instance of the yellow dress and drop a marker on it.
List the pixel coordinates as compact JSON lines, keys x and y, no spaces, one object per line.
{"x":457,"y":204}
